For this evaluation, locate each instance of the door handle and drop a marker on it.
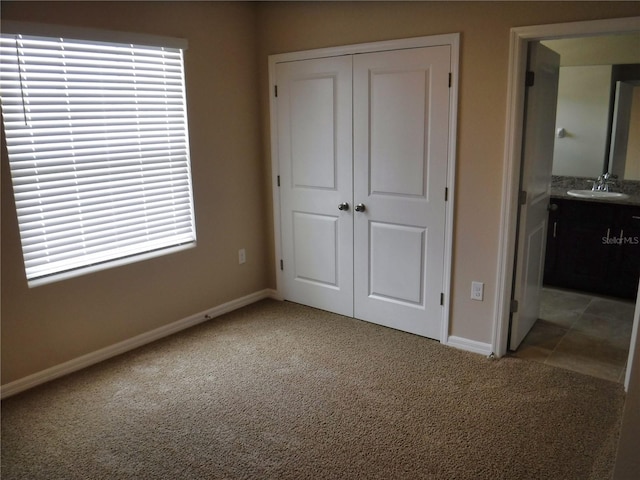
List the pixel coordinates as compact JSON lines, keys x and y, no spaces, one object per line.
{"x":343,"y":206}
{"x":360,"y":207}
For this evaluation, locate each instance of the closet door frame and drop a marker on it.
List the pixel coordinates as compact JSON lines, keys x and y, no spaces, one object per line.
{"x":453,"y":40}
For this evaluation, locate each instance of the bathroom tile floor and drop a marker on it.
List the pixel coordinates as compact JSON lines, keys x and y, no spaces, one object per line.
{"x":581,"y":332}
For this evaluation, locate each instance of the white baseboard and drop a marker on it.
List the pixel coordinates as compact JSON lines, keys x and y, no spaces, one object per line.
{"x":92,"y":358}
{"x":470,"y":345}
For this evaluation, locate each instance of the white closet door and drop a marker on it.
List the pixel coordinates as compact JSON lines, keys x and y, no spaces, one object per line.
{"x":401,"y":121}
{"x":315,"y":153}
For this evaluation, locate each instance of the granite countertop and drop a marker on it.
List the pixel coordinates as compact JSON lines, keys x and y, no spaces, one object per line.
{"x":560,"y":186}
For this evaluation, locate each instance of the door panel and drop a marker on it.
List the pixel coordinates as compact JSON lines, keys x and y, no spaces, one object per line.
{"x":394,"y":96}
{"x":396,"y":263}
{"x":315,"y":247}
{"x":534,"y":270}
{"x":538,"y":142}
{"x":401,"y":120}
{"x":315,"y":155}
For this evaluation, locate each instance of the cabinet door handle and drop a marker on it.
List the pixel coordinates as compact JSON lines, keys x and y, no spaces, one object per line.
{"x":635,"y":217}
{"x":555,"y":229}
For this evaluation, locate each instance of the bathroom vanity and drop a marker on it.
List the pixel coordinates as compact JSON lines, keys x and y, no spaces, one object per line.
{"x":594,"y":244}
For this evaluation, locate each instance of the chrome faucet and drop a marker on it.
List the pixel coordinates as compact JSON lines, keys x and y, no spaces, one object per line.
{"x":601,"y":184}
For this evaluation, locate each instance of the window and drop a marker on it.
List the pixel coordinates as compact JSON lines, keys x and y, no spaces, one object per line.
{"x":98,"y":150}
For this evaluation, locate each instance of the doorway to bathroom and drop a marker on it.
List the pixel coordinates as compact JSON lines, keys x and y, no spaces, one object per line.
{"x":583,"y":315}
{"x":584,"y":321}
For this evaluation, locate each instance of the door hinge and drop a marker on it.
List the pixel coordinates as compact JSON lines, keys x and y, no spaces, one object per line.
{"x":530,"y":79}
{"x":278,"y":180}
{"x":523,"y":197}
{"x":442,"y":299}
{"x":446,"y":194}
{"x":449,"y":79}
{"x":513,"y":308}
{"x":275,"y":90}
{"x":281,"y":265}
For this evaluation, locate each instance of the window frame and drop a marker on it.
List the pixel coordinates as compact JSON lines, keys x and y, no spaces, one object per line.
{"x":95,"y":35}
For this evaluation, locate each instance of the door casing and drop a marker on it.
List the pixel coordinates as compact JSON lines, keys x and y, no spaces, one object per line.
{"x":453,"y":40}
{"x":519,"y":40}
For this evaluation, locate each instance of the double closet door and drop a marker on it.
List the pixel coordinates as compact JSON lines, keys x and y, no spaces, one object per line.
{"x":362,"y":147}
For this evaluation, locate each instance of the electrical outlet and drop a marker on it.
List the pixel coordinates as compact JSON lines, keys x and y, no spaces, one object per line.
{"x":477,"y":291}
{"x":242,"y":256}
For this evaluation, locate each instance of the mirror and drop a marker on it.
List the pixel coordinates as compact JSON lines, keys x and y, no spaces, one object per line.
{"x":594,"y":132}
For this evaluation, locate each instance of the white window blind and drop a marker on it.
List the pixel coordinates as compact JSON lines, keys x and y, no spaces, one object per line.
{"x":98,"y":148}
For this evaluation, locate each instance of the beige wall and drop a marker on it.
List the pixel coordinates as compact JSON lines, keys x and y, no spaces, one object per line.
{"x":47,"y":325}
{"x":286,"y":27}
{"x":227,"y":86}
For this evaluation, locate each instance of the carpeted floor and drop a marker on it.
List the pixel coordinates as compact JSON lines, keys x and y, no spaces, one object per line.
{"x":280,"y":391}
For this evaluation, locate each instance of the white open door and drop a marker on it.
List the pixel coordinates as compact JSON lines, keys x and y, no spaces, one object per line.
{"x":315,"y":155}
{"x":401,"y":135}
{"x":537,"y":164}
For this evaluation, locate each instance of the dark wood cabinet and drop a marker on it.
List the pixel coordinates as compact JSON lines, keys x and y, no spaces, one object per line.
{"x":594,"y":247}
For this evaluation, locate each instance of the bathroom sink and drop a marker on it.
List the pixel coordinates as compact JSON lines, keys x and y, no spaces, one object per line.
{"x":597,"y":194}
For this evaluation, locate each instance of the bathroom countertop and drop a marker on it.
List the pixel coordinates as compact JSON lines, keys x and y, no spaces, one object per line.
{"x":561,"y":193}
{"x":560,"y":185}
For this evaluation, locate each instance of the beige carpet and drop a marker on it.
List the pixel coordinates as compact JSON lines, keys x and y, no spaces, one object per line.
{"x":281,"y":391}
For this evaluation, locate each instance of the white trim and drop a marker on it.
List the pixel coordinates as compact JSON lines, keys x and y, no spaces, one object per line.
{"x":453,"y":40}
{"x":451,"y":183}
{"x":634,"y":343}
{"x":78,"y":272}
{"x":510,"y":185}
{"x":414,"y":42}
{"x":275,"y":172}
{"x":132,"y":343}
{"x":520,"y":37}
{"x":469,"y":345}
